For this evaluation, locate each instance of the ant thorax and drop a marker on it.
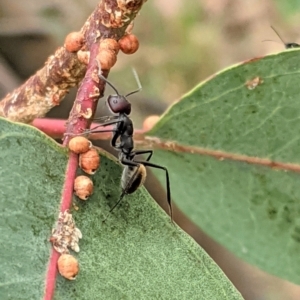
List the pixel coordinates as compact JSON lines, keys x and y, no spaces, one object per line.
{"x":132,"y":178}
{"x":125,"y":129}
{"x":125,"y":125}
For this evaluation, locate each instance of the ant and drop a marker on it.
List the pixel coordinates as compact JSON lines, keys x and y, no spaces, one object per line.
{"x":134,"y":173}
{"x":286,"y":45}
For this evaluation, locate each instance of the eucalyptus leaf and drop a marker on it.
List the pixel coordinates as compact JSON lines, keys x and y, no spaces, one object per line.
{"x":136,"y":254}
{"x":250,"y":112}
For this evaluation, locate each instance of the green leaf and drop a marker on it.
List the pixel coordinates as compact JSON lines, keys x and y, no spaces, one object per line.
{"x":137,"y":254}
{"x":32,"y":171}
{"x":252,"y":209}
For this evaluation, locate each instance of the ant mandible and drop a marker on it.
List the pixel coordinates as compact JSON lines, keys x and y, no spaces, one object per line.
{"x":134,"y":172}
{"x":286,"y":45}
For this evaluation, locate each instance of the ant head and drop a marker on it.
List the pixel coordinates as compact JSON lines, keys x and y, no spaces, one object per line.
{"x":291,"y":45}
{"x":119,"y":104}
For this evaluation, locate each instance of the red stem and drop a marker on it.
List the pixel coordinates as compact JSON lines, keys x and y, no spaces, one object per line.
{"x":51,"y":275}
{"x":65,"y":204}
{"x":100,"y":25}
{"x":56,"y":129}
{"x":67,"y":194}
{"x":77,"y":122}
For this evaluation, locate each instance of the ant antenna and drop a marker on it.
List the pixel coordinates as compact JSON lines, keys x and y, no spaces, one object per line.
{"x":271,"y":41}
{"x":278,"y":35}
{"x":124,"y":192}
{"x":286,"y":45}
{"x":137,"y":81}
{"x":104,"y":79}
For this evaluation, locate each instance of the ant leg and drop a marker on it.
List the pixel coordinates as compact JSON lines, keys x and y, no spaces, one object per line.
{"x":92,"y":130}
{"x":139,"y":152}
{"x":116,"y":204}
{"x":114,"y":139}
{"x":128,"y":163}
{"x":106,"y":118}
{"x":106,"y":124}
{"x":151,"y":165}
{"x":98,"y":131}
{"x":115,"y":132}
{"x":135,"y":163}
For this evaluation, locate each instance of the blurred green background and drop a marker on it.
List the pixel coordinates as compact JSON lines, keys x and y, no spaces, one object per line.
{"x":181,"y":43}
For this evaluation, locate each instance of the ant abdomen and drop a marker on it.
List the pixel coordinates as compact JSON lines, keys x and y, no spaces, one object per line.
{"x":133,"y":178}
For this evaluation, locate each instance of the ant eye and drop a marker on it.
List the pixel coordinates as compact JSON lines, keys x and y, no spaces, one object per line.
{"x":115,"y":101}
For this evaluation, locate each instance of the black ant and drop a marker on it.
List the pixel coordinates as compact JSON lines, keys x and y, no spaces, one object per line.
{"x":134,"y":173}
{"x":286,"y":45}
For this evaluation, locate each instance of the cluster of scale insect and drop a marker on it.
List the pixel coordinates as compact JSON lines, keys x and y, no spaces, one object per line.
{"x":65,"y":235}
